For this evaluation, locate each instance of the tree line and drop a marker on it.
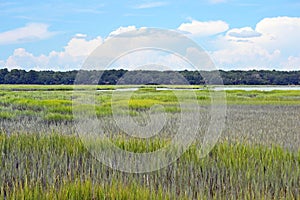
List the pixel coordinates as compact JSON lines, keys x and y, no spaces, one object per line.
{"x":112,"y":77}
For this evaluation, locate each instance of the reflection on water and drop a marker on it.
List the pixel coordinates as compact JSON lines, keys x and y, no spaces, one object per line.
{"x":119,"y":89}
{"x":161,"y":89}
{"x":219,"y":88}
{"x":259,"y":88}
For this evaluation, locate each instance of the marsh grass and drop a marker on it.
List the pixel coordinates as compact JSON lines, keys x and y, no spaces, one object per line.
{"x":41,"y":157}
{"x":55,"y":102}
{"x":36,"y":166}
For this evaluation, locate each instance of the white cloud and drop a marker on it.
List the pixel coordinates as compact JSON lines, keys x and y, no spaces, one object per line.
{"x":199,"y":28}
{"x":80,"y":35}
{"x":122,"y":30}
{"x":280,"y":32}
{"x":79,"y":46}
{"x":273,"y":44}
{"x":24,"y":60}
{"x":74,"y":54}
{"x":246,"y":32}
{"x":30,"y":32}
{"x":240,"y":55}
{"x":148,"y":59}
{"x":150,"y":5}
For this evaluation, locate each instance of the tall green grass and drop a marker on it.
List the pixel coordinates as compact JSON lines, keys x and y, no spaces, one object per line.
{"x":54,"y":103}
{"x":257,"y":156}
{"x":35,"y":166}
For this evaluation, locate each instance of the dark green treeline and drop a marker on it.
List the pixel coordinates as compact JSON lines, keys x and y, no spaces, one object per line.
{"x":111,"y":77}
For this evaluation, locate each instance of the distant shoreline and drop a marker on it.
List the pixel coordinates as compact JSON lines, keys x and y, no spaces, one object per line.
{"x":143,"y":77}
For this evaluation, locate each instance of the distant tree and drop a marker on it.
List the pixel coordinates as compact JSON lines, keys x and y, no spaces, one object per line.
{"x":3,"y":73}
{"x":13,"y":77}
{"x":30,"y":77}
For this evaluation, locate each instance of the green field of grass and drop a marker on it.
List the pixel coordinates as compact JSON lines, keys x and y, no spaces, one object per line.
{"x":256,"y":157}
{"x":54,"y":103}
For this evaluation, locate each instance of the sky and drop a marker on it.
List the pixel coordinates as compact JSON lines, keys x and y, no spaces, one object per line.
{"x":236,"y":34}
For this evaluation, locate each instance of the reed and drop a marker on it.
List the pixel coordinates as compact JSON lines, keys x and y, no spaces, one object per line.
{"x":41,"y":157}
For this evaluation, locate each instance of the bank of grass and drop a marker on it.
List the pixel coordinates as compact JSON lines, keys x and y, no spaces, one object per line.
{"x":54,"y":103}
{"x":276,"y":97}
{"x":55,"y":166}
{"x":38,"y":162}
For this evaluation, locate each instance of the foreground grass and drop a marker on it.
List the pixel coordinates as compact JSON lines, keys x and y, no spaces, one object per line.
{"x":257,"y":156}
{"x":35,"y":166}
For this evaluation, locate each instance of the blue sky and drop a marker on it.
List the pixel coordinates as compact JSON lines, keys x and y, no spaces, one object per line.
{"x":59,"y":35}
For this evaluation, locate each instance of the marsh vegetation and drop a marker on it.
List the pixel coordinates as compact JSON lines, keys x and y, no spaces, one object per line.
{"x":256,"y":157}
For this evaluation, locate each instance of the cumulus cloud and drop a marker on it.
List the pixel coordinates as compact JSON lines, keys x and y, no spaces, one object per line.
{"x":246,"y":32}
{"x":271,"y":45}
{"x":80,"y":35}
{"x":122,"y":30}
{"x":241,"y":55}
{"x":24,"y":60}
{"x":279,"y":25}
{"x":29,"y":33}
{"x":73,"y":55}
{"x":148,"y":59}
{"x":280,"y":32}
{"x":199,"y":28}
{"x":80,"y":46}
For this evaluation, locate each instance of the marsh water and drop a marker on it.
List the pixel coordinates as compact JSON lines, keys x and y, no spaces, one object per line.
{"x":218,"y":88}
{"x":259,"y":88}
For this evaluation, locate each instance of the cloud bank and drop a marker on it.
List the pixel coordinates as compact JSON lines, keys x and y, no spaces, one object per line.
{"x":72,"y":57}
{"x":271,"y":44}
